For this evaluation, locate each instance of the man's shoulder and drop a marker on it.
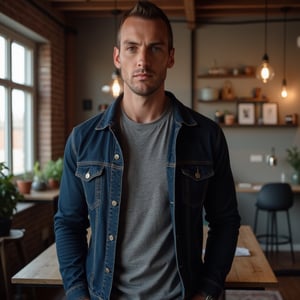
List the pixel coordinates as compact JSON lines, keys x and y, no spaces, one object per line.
{"x":195,"y":117}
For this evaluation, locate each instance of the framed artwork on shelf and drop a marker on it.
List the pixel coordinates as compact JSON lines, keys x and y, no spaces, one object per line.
{"x":246,"y":113}
{"x":270,"y":113}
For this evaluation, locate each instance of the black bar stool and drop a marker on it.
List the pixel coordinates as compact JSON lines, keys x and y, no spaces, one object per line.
{"x":274,"y":198}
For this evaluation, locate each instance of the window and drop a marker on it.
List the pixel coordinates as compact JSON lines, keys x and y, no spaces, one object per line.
{"x":16,"y":101}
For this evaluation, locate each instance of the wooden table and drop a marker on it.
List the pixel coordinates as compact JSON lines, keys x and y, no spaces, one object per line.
{"x":250,"y":271}
{"x":255,"y":188}
{"x":247,"y":272}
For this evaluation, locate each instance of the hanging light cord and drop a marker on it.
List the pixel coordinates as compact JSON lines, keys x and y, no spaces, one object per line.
{"x":266,"y":24}
{"x":284,"y":44}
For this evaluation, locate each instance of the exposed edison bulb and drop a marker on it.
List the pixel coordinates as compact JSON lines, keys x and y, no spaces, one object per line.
{"x":116,"y":87}
{"x":284,"y":92}
{"x":265,"y":72}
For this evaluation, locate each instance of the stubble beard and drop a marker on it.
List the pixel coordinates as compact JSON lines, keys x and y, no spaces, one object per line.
{"x":145,"y":89}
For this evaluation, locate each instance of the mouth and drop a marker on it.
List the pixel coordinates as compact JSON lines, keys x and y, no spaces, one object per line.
{"x":141,"y":74}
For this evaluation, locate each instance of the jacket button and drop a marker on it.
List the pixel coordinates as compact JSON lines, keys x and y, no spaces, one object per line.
{"x":111,"y":237}
{"x":114,"y":203}
{"x":116,"y":156}
{"x":87,"y":175}
{"x":107,"y":270}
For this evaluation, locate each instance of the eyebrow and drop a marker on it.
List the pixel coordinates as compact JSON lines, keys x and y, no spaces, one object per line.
{"x":155,"y":43}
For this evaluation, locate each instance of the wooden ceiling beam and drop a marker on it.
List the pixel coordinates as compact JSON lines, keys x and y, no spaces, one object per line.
{"x":189,"y":8}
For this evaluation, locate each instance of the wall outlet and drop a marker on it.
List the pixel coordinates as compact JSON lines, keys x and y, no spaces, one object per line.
{"x":257,"y":158}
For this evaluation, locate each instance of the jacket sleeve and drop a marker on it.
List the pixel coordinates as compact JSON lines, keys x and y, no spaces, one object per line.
{"x":223,"y":220}
{"x":71,"y":223}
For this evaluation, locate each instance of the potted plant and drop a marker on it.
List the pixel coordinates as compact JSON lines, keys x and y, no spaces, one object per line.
{"x":53,"y":172}
{"x":39,"y":183}
{"x":24,"y":183}
{"x":9,"y":197}
{"x":293,"y":158}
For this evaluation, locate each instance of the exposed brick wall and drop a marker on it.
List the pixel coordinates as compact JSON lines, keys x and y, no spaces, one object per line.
{"x":53,"y":122}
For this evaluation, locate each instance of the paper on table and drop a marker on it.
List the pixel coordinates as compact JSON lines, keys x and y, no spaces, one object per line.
{"x":239,"y":251}
{"x":244,"y":185}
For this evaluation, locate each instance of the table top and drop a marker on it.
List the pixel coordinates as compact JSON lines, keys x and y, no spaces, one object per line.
{"x":247,"y":271}
{"x":42,"y":196}
{"x":250,"y":271}
{"x":255,"y":188}
{"x":43,"y":270}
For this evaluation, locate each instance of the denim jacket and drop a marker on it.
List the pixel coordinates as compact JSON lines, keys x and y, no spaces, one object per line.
{"x":200,"y":182}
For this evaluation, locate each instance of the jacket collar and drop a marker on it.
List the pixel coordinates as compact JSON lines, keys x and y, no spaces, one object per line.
{"x":182,"y":114}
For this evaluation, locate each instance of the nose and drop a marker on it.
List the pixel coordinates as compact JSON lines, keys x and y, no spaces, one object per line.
{"x":142,"y":59}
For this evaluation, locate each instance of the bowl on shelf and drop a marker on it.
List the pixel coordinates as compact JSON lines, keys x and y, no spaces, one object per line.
{"x":208,"y":94}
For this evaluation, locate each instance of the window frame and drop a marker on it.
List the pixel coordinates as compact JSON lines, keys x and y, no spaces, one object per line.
{"x":28,"y":88}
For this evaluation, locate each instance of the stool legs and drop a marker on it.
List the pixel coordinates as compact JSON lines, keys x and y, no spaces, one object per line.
{"x":15,"y":236}
{"x":4,"y":271}
{"x":290,"y":235}
{"x":271,"y":237}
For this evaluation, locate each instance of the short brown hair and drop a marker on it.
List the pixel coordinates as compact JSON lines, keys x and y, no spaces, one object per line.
{"x":147,"y":10}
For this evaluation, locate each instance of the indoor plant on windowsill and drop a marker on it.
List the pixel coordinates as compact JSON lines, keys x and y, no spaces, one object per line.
{"x":24,"y":183}
{"x":53,"y":172}
{"x":9,"y":197}
{"x":39,"y":182}
{"x":293,"y":158}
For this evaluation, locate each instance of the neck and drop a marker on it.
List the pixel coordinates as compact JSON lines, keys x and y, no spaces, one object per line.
{"x":144,"y":109}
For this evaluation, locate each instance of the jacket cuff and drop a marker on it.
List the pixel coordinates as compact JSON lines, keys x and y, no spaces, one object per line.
{"x":79,"y":292}
{"x":209,"y":287}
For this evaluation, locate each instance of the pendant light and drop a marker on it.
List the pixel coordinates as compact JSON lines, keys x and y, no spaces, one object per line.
{"x":116,"y":85}
{"x":284,"y":92}
{"x":265,"y":72}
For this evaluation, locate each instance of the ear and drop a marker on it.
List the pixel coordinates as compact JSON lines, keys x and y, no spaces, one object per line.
{"x":116,"y":57}
{"x":171,"y":60}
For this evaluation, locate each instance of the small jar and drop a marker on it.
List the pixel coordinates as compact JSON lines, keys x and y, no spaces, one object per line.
{"x":229,"y":119}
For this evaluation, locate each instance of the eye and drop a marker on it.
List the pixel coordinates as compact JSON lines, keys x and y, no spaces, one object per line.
{"x":131,"y":49}
{"x":155,"y":48}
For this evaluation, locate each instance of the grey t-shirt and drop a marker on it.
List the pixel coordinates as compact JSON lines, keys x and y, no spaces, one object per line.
{"x":145,"y":260}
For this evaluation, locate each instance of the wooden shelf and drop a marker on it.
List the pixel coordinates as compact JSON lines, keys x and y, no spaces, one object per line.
{"x":235,"y":100}
{"x":221,"y":76}
{"x":236,"y":125}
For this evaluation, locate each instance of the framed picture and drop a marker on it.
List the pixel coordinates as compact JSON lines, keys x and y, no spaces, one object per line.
{"x":269,"y":113}
{"x":246,"y":113}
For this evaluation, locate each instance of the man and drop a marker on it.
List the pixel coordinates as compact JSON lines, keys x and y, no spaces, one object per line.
{"x":140,"y":175}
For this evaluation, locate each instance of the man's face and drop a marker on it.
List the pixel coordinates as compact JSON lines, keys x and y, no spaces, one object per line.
{"x":144,"y":56}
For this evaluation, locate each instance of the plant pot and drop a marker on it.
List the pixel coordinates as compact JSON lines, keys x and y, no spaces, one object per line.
{"x":24,"y":186}
{"x":229,"y":119}
{"x":53,"y":183}
{"x":5,"y":225}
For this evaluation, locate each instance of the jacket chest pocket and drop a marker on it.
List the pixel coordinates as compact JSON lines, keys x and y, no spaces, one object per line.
{"x":193,"y":183}
{"x":92,"y":178}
